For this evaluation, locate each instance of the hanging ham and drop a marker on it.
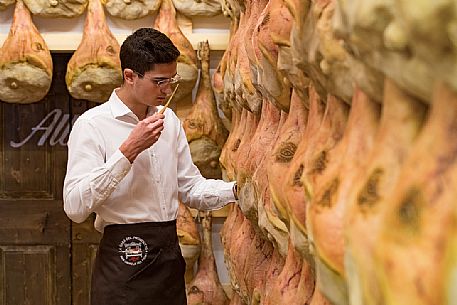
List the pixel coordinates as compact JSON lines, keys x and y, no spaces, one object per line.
{"x":25,"y":61}
{"x":206,"y":288}
{"x":269,"y":223}
{"x":252,"y":157}
{"x":245,"y":92}
{"x":189,"y":239}
{"x":420,"y":219}
{"x":294,"y":285}
{"x":284,"y":151}
{"x":401,"y":120}
{"x":266,"y":35}
{"x":204,"y":129}
{"x":325,"y":217}
{"x":187,"y":61}
{"x":292,"y":193}
{"x":218,"y":82}
{"x":94,"y":70}
{"x":131,"y":9}
{"x":192,"y":8}
{"x":56,"y":8}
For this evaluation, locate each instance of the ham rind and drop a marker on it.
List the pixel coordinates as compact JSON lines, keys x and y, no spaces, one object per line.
{"x":420,"y":220}
{"x":192,"y":8}
{"x":187,"y":61}
{"x":401,"y":121}
{"x":206,"y":288}
{"x":189,"y":239}
{"x":25,"y":61}
{"x":205,"y":131}
{"x":94,"y":70}
{"x":56,"y":8}
{"x":131,"y":9}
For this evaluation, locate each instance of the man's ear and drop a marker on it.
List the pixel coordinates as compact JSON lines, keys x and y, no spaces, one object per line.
{"x":129,"y":75}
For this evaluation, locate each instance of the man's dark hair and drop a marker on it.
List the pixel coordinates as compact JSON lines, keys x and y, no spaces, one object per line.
{"x":146,"y":47}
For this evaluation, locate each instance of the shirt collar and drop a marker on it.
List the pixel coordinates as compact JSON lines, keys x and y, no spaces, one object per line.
{"x":119,"y":109}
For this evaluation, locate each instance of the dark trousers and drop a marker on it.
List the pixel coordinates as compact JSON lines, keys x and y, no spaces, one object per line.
{"x":139,"y":264}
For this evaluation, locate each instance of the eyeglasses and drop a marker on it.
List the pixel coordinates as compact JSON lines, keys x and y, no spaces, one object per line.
{"x":163,"y":82}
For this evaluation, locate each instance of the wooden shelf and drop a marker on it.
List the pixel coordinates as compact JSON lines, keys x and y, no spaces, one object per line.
{"x":64,"y":35}
{"x":64,"y":42}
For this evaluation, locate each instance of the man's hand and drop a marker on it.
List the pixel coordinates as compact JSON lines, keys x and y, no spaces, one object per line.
{"x":145,"y":134}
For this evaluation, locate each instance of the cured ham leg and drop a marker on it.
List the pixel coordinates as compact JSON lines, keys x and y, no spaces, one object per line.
{"x":204,"y":129}
{"x":187,"y":61}
{"x":284,"y":151}
{"x":291,"y":188}
{"x":267,"y":33}
{"x":270,"y":225}
{"x":314,"y":161}
{"x":294,"y":285}
{"x":325,"y":215}
{"x":56,"y":8}
{"x":401,"y":120}
{"x":253,"y":155}
{"x":131,"y":9}
{"x":189,"y":239}
{"x":246,"y":94}
{"x":25,"y":61}
{"x":94,"y":70}
{"x":218,"y":82}
{"x":420,"y":219}
{"x":206,"y":288}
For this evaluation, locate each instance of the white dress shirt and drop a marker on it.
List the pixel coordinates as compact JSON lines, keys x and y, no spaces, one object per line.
{"x":101,"y":179}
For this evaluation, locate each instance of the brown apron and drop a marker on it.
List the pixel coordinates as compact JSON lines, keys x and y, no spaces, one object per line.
{"x":139,"y":264}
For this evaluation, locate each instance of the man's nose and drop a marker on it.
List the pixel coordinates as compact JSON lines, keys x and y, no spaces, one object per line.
{"x":167,"y":89}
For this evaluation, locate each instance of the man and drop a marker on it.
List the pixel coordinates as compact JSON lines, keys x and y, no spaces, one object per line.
{"x":130,"y":165}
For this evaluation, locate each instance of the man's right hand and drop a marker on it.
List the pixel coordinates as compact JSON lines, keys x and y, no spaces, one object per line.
{"x":143,"y":136}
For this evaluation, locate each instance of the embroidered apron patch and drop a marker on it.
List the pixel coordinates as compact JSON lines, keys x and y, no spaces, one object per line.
{"x":133,"y":250}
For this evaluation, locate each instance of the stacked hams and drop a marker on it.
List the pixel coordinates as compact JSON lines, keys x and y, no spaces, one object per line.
{"x":25,"y":61}
{"x":205,"y":131}
{"x":187,"y":62}
{"x":94,"y":70}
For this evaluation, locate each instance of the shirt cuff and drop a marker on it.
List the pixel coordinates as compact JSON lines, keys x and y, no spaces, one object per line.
{"x":118,"y":165}
{"x":228,"y":195}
